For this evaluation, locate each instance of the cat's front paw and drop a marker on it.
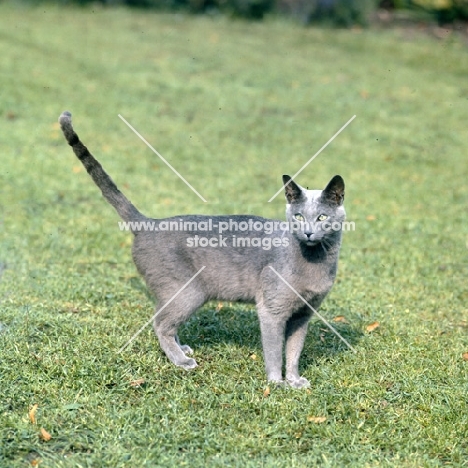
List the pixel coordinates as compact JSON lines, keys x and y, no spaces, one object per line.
{"x":277,"y":383}
{"x":300,"y":382}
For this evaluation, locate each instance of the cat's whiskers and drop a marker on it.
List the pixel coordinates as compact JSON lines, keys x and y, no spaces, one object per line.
{"x":325,"y":244}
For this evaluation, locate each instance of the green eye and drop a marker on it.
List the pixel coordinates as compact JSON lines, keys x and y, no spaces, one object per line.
{"x":322,"y":217}
{"x":299,"y":217}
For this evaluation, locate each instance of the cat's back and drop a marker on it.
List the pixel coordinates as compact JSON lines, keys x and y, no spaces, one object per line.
{"x":232,"y":250}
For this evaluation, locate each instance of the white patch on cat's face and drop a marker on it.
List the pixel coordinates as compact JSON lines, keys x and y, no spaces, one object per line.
{"x":312,"y":195}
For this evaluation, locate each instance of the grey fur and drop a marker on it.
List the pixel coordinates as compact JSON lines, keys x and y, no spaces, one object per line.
{"x":236,"y":273}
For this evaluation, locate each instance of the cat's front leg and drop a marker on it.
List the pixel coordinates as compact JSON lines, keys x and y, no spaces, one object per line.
{"x":272,"y":327}
{"x":296,"y":331}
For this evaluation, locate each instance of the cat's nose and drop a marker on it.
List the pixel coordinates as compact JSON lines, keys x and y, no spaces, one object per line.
{"x":308,"y":234}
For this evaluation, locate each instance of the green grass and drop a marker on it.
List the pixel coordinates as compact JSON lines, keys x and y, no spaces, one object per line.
{"x":232,"y":106}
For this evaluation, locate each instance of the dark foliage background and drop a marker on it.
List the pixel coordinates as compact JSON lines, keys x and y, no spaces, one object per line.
{"x":337,"y":13}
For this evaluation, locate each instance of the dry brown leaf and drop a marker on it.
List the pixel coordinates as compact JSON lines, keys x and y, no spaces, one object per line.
{"x":253,"y":357}
{"x":35,"y":462}
{"x":372,"y":326}
{"x":32,"y":414}
{"x":340,"y":318}
{"x":364,"y":94}
{"x":465,"y":356}
{"x":77,"y":169}
{"x":45,"y":435}
{"x":219,"y":306}
{"x":137,"y":382}
{"x":266,"y":392}
{"x":316,"y":419}
{"x":371,"y":218}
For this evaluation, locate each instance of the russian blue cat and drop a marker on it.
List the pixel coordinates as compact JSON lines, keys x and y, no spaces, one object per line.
{"x":268,"y":262}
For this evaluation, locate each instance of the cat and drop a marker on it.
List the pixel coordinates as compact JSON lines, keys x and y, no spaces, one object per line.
{"x":185,"y":268}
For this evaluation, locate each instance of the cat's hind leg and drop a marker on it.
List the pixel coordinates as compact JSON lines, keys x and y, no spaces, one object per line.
{"x":167,"y":320}
{"x":185,"y":348}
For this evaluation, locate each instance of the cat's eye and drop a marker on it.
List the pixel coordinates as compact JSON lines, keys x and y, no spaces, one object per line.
{"x":299,"y":217}
{"x":322,"y":217}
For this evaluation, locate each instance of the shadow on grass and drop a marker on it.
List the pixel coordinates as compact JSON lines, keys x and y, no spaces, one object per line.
{"x":237,"y":324}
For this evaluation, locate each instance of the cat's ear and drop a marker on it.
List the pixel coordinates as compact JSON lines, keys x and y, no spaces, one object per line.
{"x":292,"y":191}
{"x":334,"y":191}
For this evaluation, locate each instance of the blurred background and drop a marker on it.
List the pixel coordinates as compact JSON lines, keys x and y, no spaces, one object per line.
{"x":234,"y":93}
{"x":332,"y":12}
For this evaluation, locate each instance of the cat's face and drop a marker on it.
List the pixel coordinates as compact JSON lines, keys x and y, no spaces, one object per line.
{"x":314,"y":215}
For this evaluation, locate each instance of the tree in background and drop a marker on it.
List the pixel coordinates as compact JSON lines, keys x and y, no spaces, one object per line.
{"x":446,"y":11}
{"x":334,"y":12}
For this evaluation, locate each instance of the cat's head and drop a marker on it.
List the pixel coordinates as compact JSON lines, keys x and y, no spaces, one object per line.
{"x":315,"y":215}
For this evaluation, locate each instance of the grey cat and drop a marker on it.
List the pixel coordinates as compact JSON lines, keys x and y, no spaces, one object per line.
{"x":252,"y":265}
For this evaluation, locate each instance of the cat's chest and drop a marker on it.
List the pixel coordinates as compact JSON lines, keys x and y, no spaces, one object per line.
{"x":314,"y":278}
{"x":295,"y":284}
{"x":312,"y":289}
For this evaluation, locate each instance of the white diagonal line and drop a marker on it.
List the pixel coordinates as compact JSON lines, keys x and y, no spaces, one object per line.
{"x":162,"y":159}
{"x":313,"y":157}
{"x":313,"y":310}
{"x":161,"y":309}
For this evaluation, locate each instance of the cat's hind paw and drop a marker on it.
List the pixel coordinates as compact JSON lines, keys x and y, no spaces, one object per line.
{"x":186,"y":349}
{"x":188,"y":364}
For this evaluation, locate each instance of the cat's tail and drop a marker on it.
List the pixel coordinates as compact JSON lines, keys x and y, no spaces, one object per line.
{"x":111,"y":193}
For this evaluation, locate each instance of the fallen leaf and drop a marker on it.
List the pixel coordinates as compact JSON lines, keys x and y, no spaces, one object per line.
{"x":372,"y":326}
{"x":77,"y":169}
{"x":371,"y":218}
{"x":137,"y":382}
{"x":266,"y":392}
{"x":465,"y":356}
{"x":364,"y":94}
{"x":219,"y":306}
{"x":253,"y":357}
{"x":35,"y":462}
{"x":298,"y":435}
{"x":45,"y":435}
{"x":32,"y":414}
{"x":316,"y":419}
{"x":340,"y":318}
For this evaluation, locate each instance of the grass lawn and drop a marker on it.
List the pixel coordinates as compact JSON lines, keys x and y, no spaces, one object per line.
{"x":232,"y":106}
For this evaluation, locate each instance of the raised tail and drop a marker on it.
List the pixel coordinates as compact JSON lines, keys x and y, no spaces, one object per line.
{"x":111,"y":193}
